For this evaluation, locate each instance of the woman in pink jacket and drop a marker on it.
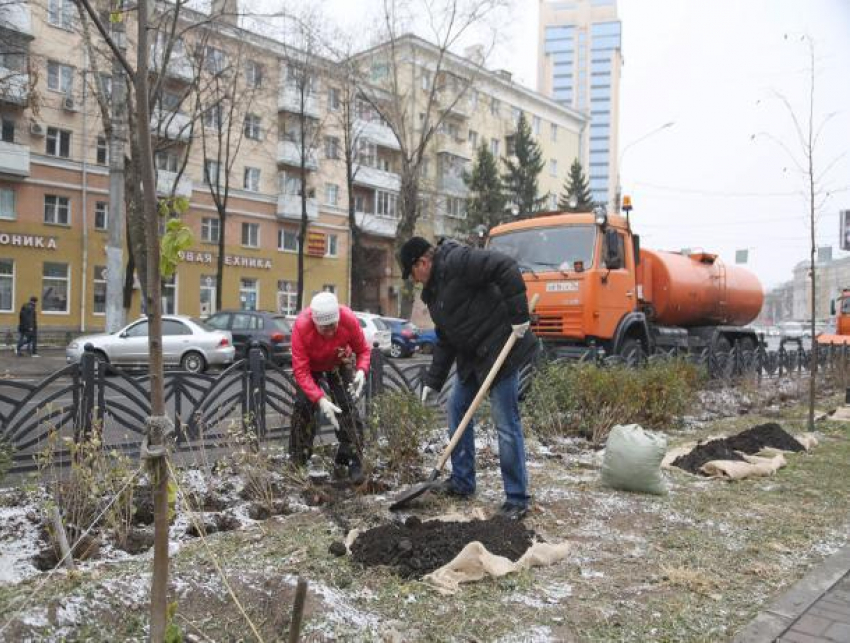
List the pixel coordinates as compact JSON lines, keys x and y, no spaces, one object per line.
{"x":326,"y":339}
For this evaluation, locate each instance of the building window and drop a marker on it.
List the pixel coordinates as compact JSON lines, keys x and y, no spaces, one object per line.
{"x":494,"y":147}
{"x":57,"y":209}
{"x":169,"y":295}
{"x":253,"y":73}
{"x":7,"y":133}
{"x":359,"y":203}
{"x":60,"y":13}
{"x":331,"y":193}
{"x":456,"y":207}
{"x":99,"y":307}
{"x":332,"y":248}
{"x":210,"y":228}
{"x":207,"y":295}
{"x":211,"y":172}
{"x":58,"y":142}
{"x":252,"y":179}
{"x":494,"y":106}
{"x":252,"y":127}
{"x":102,"y":151}
{"x":385,"y":204}
{"x":515,"y":114}
{"x":535,"y":125}
{"x":553,"y":167}
{"x":55,"y":287}
{"x":473,"y":139}
{"x":331,"y":147}
{"x":166,"y":161}
{"x":333,"y":99}
{"x":101,"y":215}
{"x":426,"y":79}
{"x":287,"y":297}
{"x":214,"y":59}
{"x":7,"y":204}
{"x":60,"y":78}
{"x":7,"y":285}
{"x":287,"y":240}
{"x":251,"y":235}
{"x":212,"y":117}
{"x":249,"y":293}
{"x":553,"y":202}
{"x":554,"y":132}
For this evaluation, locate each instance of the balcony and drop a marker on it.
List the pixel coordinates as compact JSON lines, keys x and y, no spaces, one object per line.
{"x":173,"y":125}
{"x":289,"y":153}
{"x":289,"y":100}
{"x":165,"y":181}
{"x":375,"y":178}
{"x":452,"y":184}
{"x":15,"y":16}
{"x":377,"y":133}
{"x":376,"y":225}
{"x":459,"y":107}
{"x":179,"y":67}
{"x":289,"y":207}
{"x":14,"y":86}
{"x":14,"y":159}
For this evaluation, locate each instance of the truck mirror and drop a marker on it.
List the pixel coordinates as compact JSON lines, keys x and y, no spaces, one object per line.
{"x":831,"y":306}
{"x":613,"y":256}
{"x":636,"y":246}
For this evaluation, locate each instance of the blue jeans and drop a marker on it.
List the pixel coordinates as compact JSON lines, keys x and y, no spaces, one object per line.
{"x":504,"y":401}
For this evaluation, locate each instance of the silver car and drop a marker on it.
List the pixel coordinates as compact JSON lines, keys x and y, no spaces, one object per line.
{"x":187,"y":343}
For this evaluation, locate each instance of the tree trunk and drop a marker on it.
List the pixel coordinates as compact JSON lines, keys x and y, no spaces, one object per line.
{"x":219,"y":263}
{"x":409,"y":210}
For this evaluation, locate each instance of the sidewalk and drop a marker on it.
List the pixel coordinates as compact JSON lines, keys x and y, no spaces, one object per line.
{"x":29,"y":368}
{"x":815,"y":610}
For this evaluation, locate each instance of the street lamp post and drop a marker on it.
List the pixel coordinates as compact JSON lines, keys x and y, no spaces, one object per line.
{"x":623,"y":154}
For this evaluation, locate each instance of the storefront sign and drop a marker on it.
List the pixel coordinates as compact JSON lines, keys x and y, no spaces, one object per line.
{"x":316,"y":244}
{"x":190,"y":256}
{"x":28,"y":241}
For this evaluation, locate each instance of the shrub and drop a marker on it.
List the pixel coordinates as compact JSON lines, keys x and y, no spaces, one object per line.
{"x":582,"y":399}
{"x":6,"y":452}
{"x":398,"y":423}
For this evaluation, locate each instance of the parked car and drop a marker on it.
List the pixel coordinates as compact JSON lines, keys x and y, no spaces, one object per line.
{"x":427,"y":339}
{"x":187,"y":343}
{"x":404,"y":338}
{"x":271,"y":330}
{"x":376,"y":331}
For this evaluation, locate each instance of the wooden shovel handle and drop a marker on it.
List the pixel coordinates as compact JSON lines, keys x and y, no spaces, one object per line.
{"x":485,"y":387}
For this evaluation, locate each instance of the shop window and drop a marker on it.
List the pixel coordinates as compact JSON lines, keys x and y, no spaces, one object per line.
{"x":7,"y":285}
{"x":287,"y":297}
{"x":208,"y":289}
{"x":249,"y":293}
{"x":55,"y":287}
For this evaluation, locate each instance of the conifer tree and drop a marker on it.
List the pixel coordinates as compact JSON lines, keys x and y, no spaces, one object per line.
{"x":523,"y":168}
{"x":486,"y":204}
{"x":576,"y":186}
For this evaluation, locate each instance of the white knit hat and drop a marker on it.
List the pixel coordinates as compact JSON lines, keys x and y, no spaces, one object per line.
{"x":325,"y":309}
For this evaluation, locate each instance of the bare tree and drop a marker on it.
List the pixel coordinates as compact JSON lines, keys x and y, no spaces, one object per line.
{"x":802,"y":156}
{"x":416,"y":86}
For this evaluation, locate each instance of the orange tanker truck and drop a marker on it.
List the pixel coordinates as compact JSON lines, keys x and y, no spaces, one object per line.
{"x":597,"y":286}
{"x":841,"y":309}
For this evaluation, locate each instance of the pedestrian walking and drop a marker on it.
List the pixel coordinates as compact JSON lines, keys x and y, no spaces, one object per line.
{"x":28,"y":328}
{"x":330,"y":359}
{"x":476,"y":299}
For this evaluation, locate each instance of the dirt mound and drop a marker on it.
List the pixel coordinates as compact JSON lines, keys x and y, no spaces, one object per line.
{"x":764,"y":435}
{"x":749,"y":441}
{"x":418,"y":548}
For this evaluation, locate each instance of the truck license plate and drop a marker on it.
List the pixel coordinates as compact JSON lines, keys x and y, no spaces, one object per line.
{"x":562,"y":286}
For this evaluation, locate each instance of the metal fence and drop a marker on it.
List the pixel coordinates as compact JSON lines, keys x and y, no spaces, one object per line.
{"x":256,"y":397}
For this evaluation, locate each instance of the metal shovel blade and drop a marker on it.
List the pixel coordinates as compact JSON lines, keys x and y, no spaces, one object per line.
{"x":416,"y":491}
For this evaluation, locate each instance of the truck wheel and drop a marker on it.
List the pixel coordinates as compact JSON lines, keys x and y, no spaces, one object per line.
{"x":724,"y":364}
{"x":630,"y":351}
{"x":747,"y":348}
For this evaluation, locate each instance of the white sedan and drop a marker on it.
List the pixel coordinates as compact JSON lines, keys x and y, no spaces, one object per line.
{"x":187,"y":343}
{"x":376,"y":331}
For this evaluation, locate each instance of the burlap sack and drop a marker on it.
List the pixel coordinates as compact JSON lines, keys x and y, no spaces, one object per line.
{"x":475,"y":562}
{"x":633,"y":459}
{"x":754,"y":466}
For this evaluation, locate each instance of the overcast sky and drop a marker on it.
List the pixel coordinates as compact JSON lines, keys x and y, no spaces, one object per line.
{"x":714,"y":69}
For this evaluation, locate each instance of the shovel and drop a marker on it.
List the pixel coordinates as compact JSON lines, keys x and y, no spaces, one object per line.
{"x":431,"y":482}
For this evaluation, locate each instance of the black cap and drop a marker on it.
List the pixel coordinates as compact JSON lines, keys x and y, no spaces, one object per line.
{"x":410,"y":252}
{"x":33,"y":299}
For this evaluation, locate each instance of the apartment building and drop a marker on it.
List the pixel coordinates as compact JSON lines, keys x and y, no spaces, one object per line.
{"x":579,"y":61}
{"x":285,"y":106}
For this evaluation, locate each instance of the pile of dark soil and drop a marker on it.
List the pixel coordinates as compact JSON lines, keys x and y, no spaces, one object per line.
{"x":418,"y":548}
{"x":750,"y":441}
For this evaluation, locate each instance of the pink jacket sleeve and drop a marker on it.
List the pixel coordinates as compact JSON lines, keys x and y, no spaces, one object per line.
{"x":301,"y":364}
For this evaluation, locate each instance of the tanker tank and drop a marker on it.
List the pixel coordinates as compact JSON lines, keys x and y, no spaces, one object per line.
{"x":697,"y":290}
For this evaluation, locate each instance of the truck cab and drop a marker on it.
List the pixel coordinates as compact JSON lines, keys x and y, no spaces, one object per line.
{"x":583,"y":266}
{"x":840,"y":308}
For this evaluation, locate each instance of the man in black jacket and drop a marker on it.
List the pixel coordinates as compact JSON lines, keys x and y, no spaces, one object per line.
{"x":476,"y":299}
{"x":28,"y":328}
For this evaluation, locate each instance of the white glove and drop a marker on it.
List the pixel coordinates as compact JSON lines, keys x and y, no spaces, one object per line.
{"x":357,"y":385}
{"x":330,"y":410}
{"x":426,"y":391}
{"x":520,"y":329}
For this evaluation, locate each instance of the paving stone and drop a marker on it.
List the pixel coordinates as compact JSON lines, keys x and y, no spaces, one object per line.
{"x":838,"y":632}
{"x":798,"y":637}
{"x":809,"y":624}
{"x":823,"y":610}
